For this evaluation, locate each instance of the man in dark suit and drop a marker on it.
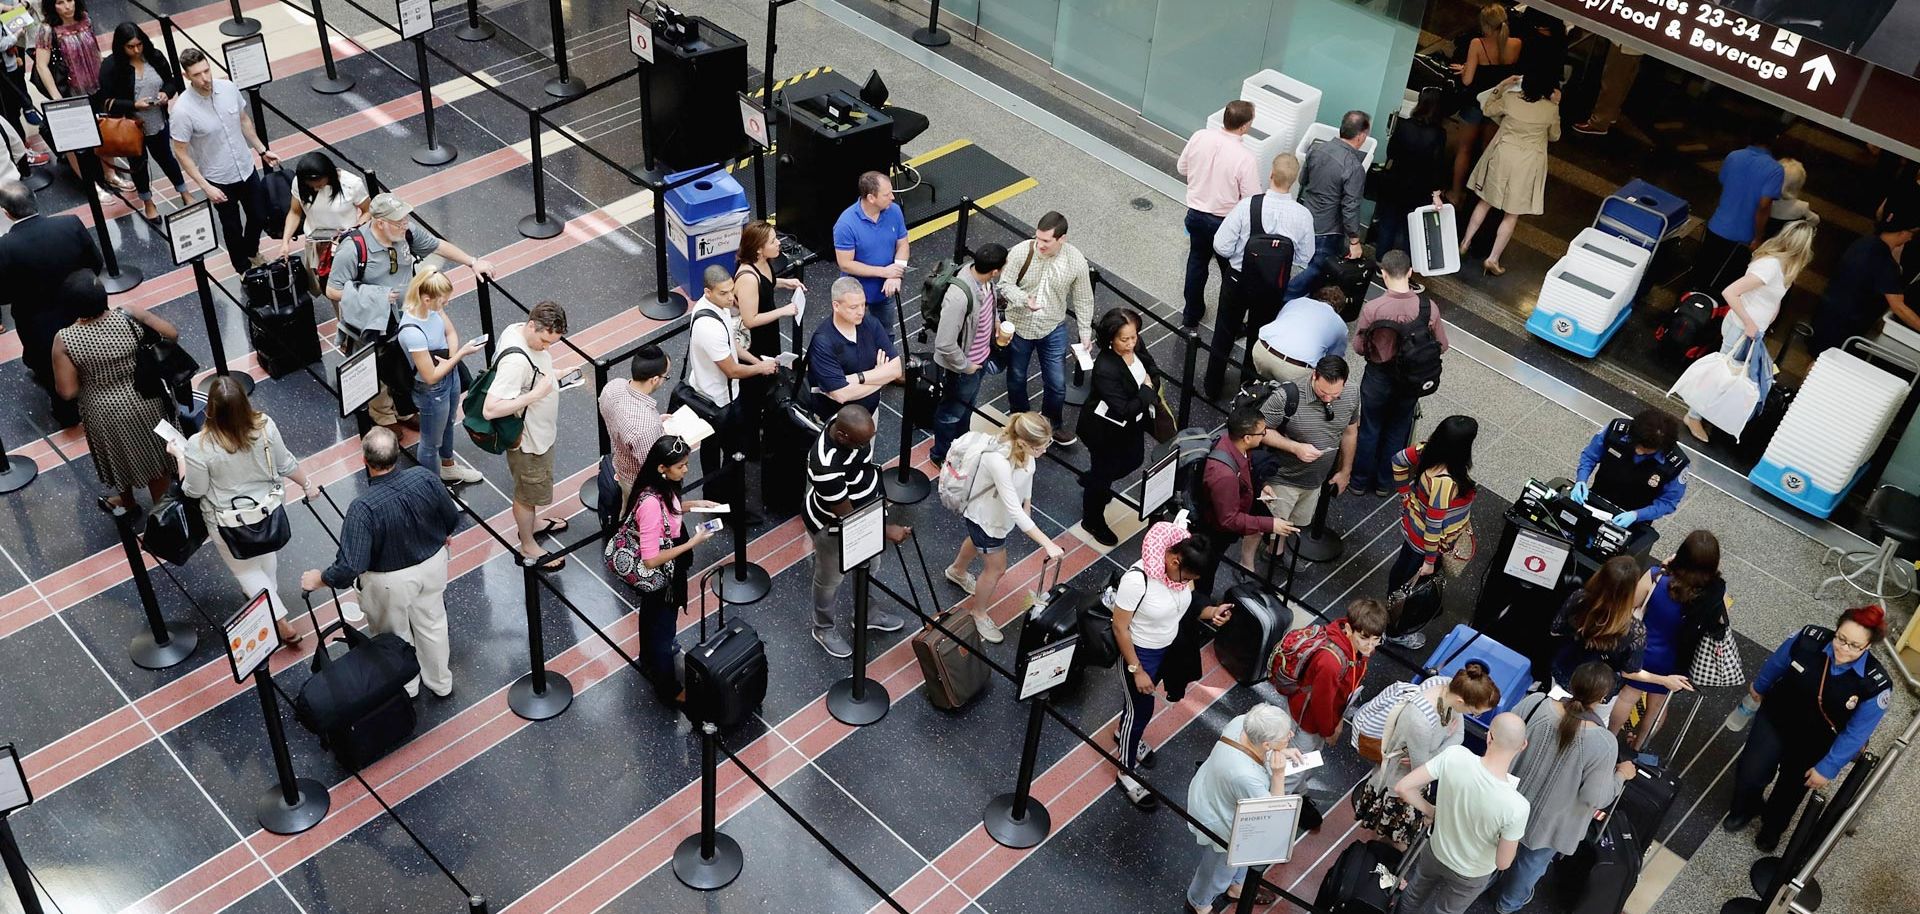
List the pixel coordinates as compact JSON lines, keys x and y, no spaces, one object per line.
{"x":36,"y":255}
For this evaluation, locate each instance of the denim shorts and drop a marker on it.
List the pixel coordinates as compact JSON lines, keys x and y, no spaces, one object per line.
{"x":982,"y":541}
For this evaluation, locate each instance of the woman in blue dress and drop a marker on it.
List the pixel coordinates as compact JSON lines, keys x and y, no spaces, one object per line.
{"x":1688,"y":604}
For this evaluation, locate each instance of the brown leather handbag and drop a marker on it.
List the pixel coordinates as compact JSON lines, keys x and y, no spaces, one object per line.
{"x":121,"y":137}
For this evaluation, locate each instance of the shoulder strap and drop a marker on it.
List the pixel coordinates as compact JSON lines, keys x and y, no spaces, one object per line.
{"x":1292,"y":393}
{"x":360,"y":263}
{"x":1032,"y":251}
{"x":1255,"y":225}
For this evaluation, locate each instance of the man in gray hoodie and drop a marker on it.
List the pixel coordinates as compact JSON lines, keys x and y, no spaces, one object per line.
{"x":963,"y":343}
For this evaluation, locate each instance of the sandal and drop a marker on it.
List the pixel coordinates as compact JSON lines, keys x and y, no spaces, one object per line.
{"x":1263,"y":896}
{"x":555,"y":565}
{"x":552,"y":525}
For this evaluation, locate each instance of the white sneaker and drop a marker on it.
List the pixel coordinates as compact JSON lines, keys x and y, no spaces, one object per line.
{"x":989,"y":632}
{"x":963,"y":580}
{"x":459,"y":475}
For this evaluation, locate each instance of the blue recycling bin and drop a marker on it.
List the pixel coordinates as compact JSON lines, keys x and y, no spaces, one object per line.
{"x":704,"y":219}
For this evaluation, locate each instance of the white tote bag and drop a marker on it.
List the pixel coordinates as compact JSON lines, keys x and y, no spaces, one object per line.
{"x":1719,"y":388}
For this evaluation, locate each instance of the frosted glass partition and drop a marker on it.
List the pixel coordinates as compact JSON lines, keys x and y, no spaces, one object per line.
{"x":1031,"y":24}
{"x":1106,"y":44}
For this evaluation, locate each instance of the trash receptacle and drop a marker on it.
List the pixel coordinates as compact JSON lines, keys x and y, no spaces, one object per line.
{"x":704,"y":219}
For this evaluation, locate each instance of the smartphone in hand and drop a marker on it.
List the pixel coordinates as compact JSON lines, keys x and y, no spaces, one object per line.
{"x":572,"y":379}
{"x":711,"y":527}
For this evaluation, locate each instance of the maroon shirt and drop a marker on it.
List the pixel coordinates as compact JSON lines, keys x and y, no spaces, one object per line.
{"x":1398,"y":307}
{"x":1230,"y":492}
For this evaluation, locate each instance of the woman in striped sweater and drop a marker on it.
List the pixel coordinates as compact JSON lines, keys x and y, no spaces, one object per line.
{"x":1435,"y":478}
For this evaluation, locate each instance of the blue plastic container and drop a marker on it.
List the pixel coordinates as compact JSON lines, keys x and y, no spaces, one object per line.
{"x":704,"y":218}
{"x":1796,"y":487}
{"x":1641,"y":213}
{"x":1567,"y":333}
{"x":1511,"y":671}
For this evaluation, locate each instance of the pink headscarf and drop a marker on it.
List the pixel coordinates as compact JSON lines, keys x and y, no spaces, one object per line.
{"x":1153,"y":552}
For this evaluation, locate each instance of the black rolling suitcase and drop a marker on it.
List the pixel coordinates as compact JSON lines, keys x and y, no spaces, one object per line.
{"x":280,"y":322}
{"x":1353,"y":885}
{"x":357,"y":702}
{"x":790,"y":434}
{"x":1604,"y":870}
{"x":1353,"y":277}
{"x":726,"y":673}
{"x":1258,"y":622}
{"x":1054,"y":615}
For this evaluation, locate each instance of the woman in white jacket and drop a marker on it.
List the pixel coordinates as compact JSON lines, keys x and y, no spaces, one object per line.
{"x":1000,"y":498}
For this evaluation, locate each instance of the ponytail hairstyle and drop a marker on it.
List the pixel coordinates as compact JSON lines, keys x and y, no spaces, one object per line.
{"x":1027,"y":434}
{"x":1475,"y":686}
{"x":1592,"y":683}
{"x":1605,"y":613}
{"x":1870,"y":617}
{"x":1695,"y":565}
{"x":1494,"y":32}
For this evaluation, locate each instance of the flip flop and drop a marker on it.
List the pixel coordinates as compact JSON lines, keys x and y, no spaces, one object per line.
{"x":1261,"y":897}
{"x":553,"y":525}
{"x":555,"y":565}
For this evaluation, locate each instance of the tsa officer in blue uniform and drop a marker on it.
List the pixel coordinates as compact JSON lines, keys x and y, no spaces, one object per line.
{"x":1634,"y":465}
{"x":1820,"y":697}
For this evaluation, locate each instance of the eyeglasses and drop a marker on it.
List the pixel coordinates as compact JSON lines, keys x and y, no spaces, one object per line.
{"x":1840,"y":641}
{"x":393,"y":262}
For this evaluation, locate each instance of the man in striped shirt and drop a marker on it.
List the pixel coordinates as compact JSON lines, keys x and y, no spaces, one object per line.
{"x":842,"y":478}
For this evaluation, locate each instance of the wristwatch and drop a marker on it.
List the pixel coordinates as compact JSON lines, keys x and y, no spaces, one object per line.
{"x":1133,"y":668}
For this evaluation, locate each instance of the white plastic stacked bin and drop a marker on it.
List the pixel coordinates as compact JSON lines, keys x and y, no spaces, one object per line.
{"x":1829,"y":434}
{"x":1287,"y":104}
{"x":1589,"y":291}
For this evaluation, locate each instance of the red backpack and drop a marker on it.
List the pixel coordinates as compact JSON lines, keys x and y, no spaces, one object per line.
{"x":1287,"y":668}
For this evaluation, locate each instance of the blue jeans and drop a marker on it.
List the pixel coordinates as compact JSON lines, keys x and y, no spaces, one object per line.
{"x":1390,"y":229}
{"x":1325,"y":247}
{"x":1053,"y":373}
{"x":1212,"y":876}
{"x":955,"y":412}
{"x":1385,"y":423}
{"x":1514,"y":888}
{"x":436,"y":403}
{"x":889,"y":318}
{"x":1201,"y":227}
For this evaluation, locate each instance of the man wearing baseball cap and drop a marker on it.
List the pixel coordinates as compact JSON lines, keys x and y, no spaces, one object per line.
{"x":372,"y":265}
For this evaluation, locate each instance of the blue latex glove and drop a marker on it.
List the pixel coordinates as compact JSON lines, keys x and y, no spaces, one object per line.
{"x":1625,"y":518}
{"x":1579,"y":493}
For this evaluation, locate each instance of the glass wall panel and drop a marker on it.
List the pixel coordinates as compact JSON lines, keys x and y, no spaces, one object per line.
{"x":1199,"y":59}
{"x":964,"y":9}
{"x":1027,"y":23}
{"x":1105,"y":44}
{"x":1356,"y":57}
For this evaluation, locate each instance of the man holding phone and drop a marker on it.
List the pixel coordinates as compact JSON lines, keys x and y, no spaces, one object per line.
{"x":523,"y":384}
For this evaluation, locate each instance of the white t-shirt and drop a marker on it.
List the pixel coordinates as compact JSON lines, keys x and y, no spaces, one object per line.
{"x":1157,"y":608}
{"x":514,"y":377}
{"x":708,"y":343}
{"x":1477,"y":811}
{"x":337,"y":212}
{"x":1763,"y":304}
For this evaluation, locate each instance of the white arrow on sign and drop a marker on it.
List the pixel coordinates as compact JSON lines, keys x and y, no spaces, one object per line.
{"x":1821,"y":66}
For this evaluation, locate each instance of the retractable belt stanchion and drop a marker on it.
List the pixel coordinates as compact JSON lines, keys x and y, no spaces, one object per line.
{"x":564,"y":85}
{"x":16,"y":473}
{"x":164,"y":643}
{"x":476,"y":28}
{"x":116,"y":278}
{"x":538,"y":224}
{"x":709,"y":860}
{"x":294,"y":804}
{"x":204,"y":285}
{"x":541,"y":694}
{"x":1016,"y":819}
{"x":667,"y":303}
{"x":329,"y":81}
{"x":484,"y":288}
{"x":70,"y":128}
{"x":590,"y":493}
{"x":858,"y":700}
{"x":435,"y":152}
{"x":476,"y":904}
{"x":1768,"y":880}
{"x":1192,"y":339}
{"x":741,"y":582}
{"x":17,"y":872}
{"x":1320,"y":542}
{"x":239,"y":26}
{"x":905,"y":485}
{"x":933,"y":36}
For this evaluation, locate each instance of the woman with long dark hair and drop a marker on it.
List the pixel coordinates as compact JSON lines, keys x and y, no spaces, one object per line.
{"x":326,"y":202}
{"x":1512,"y":176}
{"x":655,"y":512}
{"x":1118,"y":412}
{"x":1687,"y":605}
{"x":67,"y":60}
{"x":1416,"y":172}
{"x":1436,"y":481}
{"x":137,"y":81}
{"x":1601,"y":621}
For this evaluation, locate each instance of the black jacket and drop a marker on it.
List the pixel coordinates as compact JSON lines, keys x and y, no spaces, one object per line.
{"x":36,"y":255}
{"x":116,"y":83}
{"x":1126,"y":402}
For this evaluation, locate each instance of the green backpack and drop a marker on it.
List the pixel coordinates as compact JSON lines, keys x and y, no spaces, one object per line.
{"x":495,"y":436}
{"x":933,"y":294}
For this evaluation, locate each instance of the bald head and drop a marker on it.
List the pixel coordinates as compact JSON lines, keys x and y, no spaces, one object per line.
{"x":852,"y":425}
{"x":1508,"y":733}
{"x":380,"y":449}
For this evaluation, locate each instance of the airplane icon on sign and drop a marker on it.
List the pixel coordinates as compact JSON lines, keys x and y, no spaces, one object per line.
{"x":1786,"y":42}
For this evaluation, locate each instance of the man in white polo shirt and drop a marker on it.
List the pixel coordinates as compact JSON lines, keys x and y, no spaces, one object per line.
{"x":215,"y":141}
{"x":717,"y":358}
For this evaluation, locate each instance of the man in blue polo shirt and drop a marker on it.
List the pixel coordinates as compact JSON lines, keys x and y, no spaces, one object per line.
{"x":870,"y":244}
{"x":1749,"y":183}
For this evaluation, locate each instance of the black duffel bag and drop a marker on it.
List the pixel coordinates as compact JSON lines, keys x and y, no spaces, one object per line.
{"x":175,"y":528}
{"x":357,"y":704}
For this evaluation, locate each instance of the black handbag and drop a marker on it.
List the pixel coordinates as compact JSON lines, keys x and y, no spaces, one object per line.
{"x":175,"y":528}
{"x":161,"y":369}
{"x":268,"y":534}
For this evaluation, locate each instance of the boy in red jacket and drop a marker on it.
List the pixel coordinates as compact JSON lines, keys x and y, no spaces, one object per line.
{"x":1333,"y":672}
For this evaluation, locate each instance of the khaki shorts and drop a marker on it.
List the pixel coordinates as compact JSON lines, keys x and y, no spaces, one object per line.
{"x":532,"y":477}
{"x":1295,"y":506}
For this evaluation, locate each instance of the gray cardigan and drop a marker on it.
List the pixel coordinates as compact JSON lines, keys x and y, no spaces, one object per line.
{"x":954,"y":337}
{"x":1563,"y":788}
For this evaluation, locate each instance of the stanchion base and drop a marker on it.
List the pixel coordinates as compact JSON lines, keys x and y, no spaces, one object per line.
{"x":1743,"y":906}
{"x":1319,"y":546}
{"x":906,"y":486}
{"x":706,"y":874}
{"x":571,"y":87}
{"x":37,"y":180}
{"x":16,"y":473}
{"x":932,"y":38}
{"x":1762,"y":873}
{"x":740,"y":584}
{"x":322,"y":84}
{"x":240,"y":28}
{"x":1016,"y":833}
{"x":151,"y":655}
{"x":239,"y":377}
{"x":532,"y":226}
{"x":130,"y":276}
{"x":531,"y":705}
{"x":435,"y":155}
{"x":480,"y":32}
{"x":590,"y":498}
{"x":277,"y":817}
{"x":674,"y":306}
{"x":858,"y":712}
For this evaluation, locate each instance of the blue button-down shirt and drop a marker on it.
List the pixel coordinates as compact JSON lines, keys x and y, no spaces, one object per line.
{"x":401,"y":520}
{"x":1280,"y":214}
{"x":1307,"y":330}
{"x":1663,"y":503}
{"x":1853,"y":737}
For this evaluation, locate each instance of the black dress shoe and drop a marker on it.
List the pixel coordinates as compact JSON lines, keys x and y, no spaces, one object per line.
{"x":1766,"y":840}
{"x":1736,"y":821}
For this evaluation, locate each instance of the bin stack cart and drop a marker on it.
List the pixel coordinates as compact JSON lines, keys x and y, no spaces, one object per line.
{"x":1590,"y":291}
{"x":1834,"y":426}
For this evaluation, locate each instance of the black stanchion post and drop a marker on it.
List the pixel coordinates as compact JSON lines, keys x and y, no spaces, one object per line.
{"x":742,"y":582}
{"x":239,"y":26}
{"x":709,"y":860}
{"x":905,"y":485}
{"x":476,"y":904}
{"x":435,"y":152}
{"x":17,"y":872}
{"x":259,"y":108}
{"x":1769,"y":874}
{"x":476,"y":29}
{"x":328,"y":82}
{"x":1192,"y":338}
{"x":15,"y":472}
{"x":668,"y":303}
{"x":857,"y":700}
{"x":538,"y":224}
{"x":1320,"y":542}
{"x":960,"y":226}
{"x":294,"y":804}
{"x":485,"y":290}
{"x":646,"y":118}
{"x":540,"y":694}
{"x":590,"y":493}
{"x":117,"y":278}
{"x":933,"y":36}
{"x":1016,"y":819}
{"x":1249,"y":901}
{"x":565,"y":85}
{"x":164,"y":643}
{"x":204,"y":284}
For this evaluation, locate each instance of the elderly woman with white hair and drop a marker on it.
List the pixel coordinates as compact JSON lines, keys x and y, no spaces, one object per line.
{"x":1250,"y":760}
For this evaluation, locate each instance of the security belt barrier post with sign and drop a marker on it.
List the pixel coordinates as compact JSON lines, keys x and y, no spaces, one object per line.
{"x":293,"y":804}
{"x":250,"y":69}
{"x":191,"y":237}
{"x":164,"y":643}
{"x":329,"y":81}
{"x":1016,"y":819}
{"x":70,"y":127}
{"x":15,"y":795}
{"x":416,"y":20}
{"x":753,"y":121}
{"x":857,"y":700}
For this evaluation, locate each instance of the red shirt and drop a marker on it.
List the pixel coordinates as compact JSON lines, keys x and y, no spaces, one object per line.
{"x":1330,"y":681}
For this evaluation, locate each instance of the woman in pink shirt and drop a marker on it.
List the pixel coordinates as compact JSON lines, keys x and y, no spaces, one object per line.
{"x":664,"y":545}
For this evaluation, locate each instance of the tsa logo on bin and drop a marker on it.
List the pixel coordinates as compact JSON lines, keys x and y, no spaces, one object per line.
{"x":1793,"y":482}
{"x":1563,"y":326}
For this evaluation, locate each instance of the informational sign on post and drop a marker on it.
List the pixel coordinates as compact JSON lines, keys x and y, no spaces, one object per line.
{"x":416,"y":18}
{"x":358,"y":380}
{"x":247,"y":63}
{"x":753,"y":120}
{"x":1047,"y":667}
{"x":190,"y":233}
{"x":1157,"y":483}
{"x":14,"y":792}
{"x":1536,"y":559}
{"x":1263,"y":830}
{"x":639,"y":36}
{"x":250,"y":636}
{"x":70,"y":124}
{"x":862,"y":535}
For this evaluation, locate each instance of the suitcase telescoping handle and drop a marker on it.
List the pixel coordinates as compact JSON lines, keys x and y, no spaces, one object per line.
{"x":1653,"y":728}
{"x":1041,"y":578}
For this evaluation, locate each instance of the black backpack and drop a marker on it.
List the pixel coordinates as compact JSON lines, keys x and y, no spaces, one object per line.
{"x":1689,"y":330}
{"x":1416,"y":364}
{"x":1266,"y":263}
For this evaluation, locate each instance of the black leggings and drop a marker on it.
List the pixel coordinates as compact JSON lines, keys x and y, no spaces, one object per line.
{"x":159,"y":150}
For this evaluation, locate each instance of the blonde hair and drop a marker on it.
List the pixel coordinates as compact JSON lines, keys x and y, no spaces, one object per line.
{"x":1793,"y":177}
{"x":1493,"y":32}
{"x":428,"y":281}
{"x":1286,"y":170}
{"x":1027,"y":434}
{"x":1793,"y":247}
